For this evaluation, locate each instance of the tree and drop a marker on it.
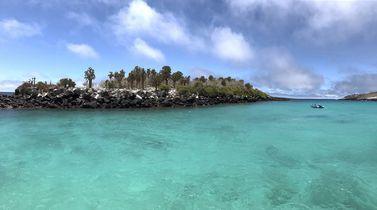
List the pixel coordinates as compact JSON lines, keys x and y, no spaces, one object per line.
{"x":143,"y":76}
{"x":248,"y":86}
{"x":176,"y":76}
{"x":139,"y":74}
{"x":25,"y":89}
{"x":223,"y":82}
{"x":90,"y":76}
{"x":155,"y":79}
{"x":66,"y":83}
{"x":131,"y":79}
{"x":42,"y":86}
{"x":166,"y":74}
{"x":211,"y":78}
{"x":203,"y":79}
{"x":119,"y":77}
{"x":110,"y":75}
{"x":185,"y":81}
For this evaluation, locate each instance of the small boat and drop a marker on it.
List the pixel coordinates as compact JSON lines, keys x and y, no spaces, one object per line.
{"x":317,"y":106}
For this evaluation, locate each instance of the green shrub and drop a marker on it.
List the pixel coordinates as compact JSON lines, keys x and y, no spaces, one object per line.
{"x":25,"y":89}
{"x":210,"y":91}
{"x":164,"y":87}
{"x":185,"y":90}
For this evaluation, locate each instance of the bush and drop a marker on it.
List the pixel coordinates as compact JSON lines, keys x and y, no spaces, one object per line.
{"x":41,"y":86}
{"x":25,"y":89}
{"x":164,"y":88}
{"x":210,"y":91}
{"x":66,"y":83}
{"x":185,"y":90}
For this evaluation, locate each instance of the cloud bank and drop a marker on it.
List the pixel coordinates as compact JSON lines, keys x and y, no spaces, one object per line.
{"x":279,"y":72}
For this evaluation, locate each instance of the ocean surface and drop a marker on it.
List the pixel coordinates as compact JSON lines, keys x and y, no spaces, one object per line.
{"x":274,"y":155}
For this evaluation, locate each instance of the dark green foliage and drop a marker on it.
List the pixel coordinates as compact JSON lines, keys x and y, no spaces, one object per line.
{"x":203,"y":79}
{"x":185,"y":80}
{"x":25,"y":89}
{"x":155,"y":79}
{"x":207,"y":87}
{"x":164,"y":88}
{"x":42,"y":86}
{"x":248,"y":86}
{"x":210,"y":91}
{"x":119,"y":77}
{"x":185,"y":90}
{"x":90,"y":76}
{"x":66,"y":83}
{"x":166,"y":74}
{"x":176,"y":76}
{"x":214,"y":91}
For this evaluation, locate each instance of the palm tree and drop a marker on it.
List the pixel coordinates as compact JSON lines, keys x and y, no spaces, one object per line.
{"x":185,"y":81}
{"x":155,"y":79}
{"x":90,"y":76}
{"x":131,"y":79}
{"x":203,"y":79}
{"x":137,"y":73}
{"x":176,"y":76}
{"x":143,"y":76}
{"x":111,"y":75}
{"x":166,"y":74}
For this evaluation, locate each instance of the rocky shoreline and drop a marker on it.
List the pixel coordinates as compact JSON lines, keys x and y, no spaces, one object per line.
{"x":115,"y":99}
{"x":362,"y":97}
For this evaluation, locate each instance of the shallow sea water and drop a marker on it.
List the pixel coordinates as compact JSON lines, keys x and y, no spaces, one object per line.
{"x":275,"y":155}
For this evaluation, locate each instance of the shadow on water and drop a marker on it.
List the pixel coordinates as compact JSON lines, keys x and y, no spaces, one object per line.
{"x":207,"y":190}
{"x":281,"y":158}
{"x":281,"y":189}
{"x":337,"y":190}
{"x":359,"y":156}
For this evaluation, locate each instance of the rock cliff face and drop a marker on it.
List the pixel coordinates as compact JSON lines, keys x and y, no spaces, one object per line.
{"x":108,"y":99}
{"x":362,"y":97}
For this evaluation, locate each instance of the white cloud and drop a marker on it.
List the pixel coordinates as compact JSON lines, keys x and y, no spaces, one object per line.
{"x":12,"y":28}
{"x":83,"y":50}
{"x":320,"y":21}
{"x":337,"y":21}
{"x":9,"y":85}
{"x":279,"y":72}
{"x":357,"y":83}
{"x":231,"y":46}
{"x":82,"y":18}
{"x":141,"y":20}
{"x":142,"y":48}
{"x":247,"y":5}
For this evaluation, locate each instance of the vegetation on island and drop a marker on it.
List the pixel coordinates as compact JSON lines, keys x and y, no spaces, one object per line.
{"x":164,"y":80}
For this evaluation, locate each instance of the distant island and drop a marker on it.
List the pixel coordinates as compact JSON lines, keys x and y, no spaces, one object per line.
{"x":140,"y":89}
{"x":362,"y":97}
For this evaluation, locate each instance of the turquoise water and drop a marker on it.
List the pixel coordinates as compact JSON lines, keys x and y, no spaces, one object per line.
{"x":276,"y":155}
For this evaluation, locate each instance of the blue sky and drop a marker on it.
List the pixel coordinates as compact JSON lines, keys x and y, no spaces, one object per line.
{"x":311,"y":48}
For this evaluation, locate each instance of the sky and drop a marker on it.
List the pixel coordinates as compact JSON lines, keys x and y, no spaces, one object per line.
{"x":308,"y":48}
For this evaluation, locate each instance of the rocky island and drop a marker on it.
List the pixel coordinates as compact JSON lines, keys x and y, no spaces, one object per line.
{"x":362,"y":97}
{"x":140,"y":89}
